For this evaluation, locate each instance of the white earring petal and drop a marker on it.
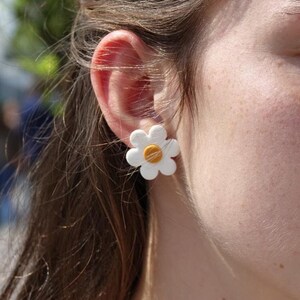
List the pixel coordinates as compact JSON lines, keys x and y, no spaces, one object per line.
{"x":138,"y":138}
{"x":168,"y":167}
{"x":148,"y":172}
{"x":157,"y":134}
{"x":134,"y":157}
{"x":172,"y":148}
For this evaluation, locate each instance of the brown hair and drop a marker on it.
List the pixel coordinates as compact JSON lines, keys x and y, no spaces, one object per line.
{"x":87,"y":228}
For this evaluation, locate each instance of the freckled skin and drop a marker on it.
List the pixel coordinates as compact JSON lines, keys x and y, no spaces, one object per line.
{"x":244,"y":156}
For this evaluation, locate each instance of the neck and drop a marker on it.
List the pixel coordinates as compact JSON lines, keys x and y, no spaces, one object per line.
{"x":182,"y":262}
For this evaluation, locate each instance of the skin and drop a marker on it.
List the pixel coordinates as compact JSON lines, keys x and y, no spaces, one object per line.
{"x":230,"y":228}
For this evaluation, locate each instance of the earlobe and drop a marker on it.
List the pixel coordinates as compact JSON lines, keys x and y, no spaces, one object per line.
{"x":121,"y":83}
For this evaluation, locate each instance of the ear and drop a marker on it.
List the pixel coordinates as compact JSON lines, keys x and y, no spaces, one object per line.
{"x":122,"y":86}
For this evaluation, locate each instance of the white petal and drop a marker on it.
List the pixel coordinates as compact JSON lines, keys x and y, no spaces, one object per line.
{"x":157,"y":134}
{"x":149,"y":172}
{"x":171,"y":148}
{"x":134,"y":157}
{"x":168,"y":167}
{"x":138,"y":138}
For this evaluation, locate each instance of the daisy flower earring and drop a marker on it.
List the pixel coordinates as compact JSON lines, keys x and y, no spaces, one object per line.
{"x":153,"y":152}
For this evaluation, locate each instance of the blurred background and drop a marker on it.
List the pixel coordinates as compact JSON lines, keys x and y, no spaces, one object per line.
{"x":33,"y":35}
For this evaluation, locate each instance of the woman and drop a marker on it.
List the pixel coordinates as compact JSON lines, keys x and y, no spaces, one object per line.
{"x":222,"y":78}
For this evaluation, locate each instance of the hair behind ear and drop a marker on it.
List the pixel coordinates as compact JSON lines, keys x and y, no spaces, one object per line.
{"x":87,"y":214}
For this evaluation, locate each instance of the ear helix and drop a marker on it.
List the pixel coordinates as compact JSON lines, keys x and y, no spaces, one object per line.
{"x":153,"y":152}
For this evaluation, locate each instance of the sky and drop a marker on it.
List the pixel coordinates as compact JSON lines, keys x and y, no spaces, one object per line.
{"x":13,"y":81}
{"x":7,"y":25}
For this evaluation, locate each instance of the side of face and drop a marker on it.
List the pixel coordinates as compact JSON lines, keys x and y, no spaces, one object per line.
{"x":243,"y":164}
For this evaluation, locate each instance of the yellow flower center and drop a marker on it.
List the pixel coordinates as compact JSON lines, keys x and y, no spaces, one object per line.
{"x":153,"y":154}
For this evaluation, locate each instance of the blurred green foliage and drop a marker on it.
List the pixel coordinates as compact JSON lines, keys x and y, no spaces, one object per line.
{"x":42,"y":24}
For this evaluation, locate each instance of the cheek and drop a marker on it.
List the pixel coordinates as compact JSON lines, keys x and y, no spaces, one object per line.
{"x":246,"y":174}
{"x":253,"y":177}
